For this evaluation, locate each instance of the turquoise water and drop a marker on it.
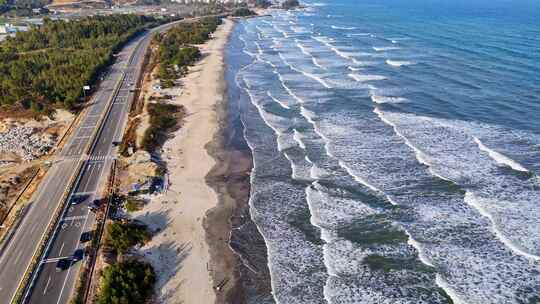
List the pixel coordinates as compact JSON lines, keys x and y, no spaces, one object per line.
{"x":396,"y":147}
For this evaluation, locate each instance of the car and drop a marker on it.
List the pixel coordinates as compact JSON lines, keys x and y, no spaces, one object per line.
{"x":63,"y":264}
{"x":78,"y":255}
{"x":86,"y":236}
{"x":75,"y":200}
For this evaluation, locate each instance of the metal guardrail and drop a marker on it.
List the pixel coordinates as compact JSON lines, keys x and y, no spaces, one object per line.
{"x":100,"y":231}
{"x":26,"y":283}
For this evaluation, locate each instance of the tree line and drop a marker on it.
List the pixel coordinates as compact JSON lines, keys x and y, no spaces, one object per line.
{"x":47,"y":66}
{"x":176,"y":51}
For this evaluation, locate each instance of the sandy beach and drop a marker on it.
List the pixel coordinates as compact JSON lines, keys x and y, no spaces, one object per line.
{"x":179,"y":251}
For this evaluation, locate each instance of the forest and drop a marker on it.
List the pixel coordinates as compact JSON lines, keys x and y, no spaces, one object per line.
{"x":47,"y":66}
{"x":130,"y":281}
{"x":176,"y":52}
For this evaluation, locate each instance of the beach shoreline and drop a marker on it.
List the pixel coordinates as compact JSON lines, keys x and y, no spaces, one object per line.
{"x":206,"y":248}
{"x":179,"y":250}
{"x":237,"y":249}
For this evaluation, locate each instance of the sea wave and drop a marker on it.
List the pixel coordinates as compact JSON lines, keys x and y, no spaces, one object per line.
{"x":385,"y":48}
{"x":347,"y":28}
{"x":387,"y":99}
{"x":399,"y":63}
{"x":364,"y":78}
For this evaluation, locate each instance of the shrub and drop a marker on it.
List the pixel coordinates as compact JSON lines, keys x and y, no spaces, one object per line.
{"x":122,"y":236}
{"x":126,"y":282}
{"x":243,"y":12}
{"x":133,"y":205}
{"x":162,"y":120}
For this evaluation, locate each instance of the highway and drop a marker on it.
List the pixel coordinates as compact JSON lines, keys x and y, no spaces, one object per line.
{"x":106,"y":118}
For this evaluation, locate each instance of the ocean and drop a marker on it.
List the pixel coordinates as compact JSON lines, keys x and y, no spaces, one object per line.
{"x":396,"y":147}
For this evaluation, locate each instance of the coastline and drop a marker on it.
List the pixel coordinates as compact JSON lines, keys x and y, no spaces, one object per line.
{"x":180,"y":250}
{"x":239,"y":263}
{"x":238,"y":252}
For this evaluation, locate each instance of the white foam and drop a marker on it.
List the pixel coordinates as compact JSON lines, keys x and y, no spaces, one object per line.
{"x":282,"y":104}
{"x":387,"y":99}
{"x":420,"y":155}
{"x":359,"y":34}
{"x":305,"y":52}
{"x":385,"y":48}
{"x":473,"y":201}
{"x":298,"y":137}
{"x":456,"y":299}
{"x":327,"y":41}
{"x":398,"y":63}
{"x":289,"y":91}
{"x":316,"y":63}
{"x":346,"y":28}
{"x":500,"y":158}
{"x":364,"y":78}
{"x":309,"y":75}
{"x":506,"y":201}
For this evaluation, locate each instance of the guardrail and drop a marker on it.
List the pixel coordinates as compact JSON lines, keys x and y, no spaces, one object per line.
{"x":26,"y":283}
{"x":5,"y":237}
{"x":99,"y":233}
{"x":25,"y":286}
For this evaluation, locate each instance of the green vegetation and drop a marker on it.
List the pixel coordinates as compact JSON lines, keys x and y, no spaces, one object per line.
{"x":47,"y":66}
{"x":122,"y":236}
{"x":163,"y":119}
{"x":4,"y":6}
{"x":289,"y":4}
{"x":126,"y":282}
{"x":175,"y":51}
{"x":133,"y":204}
{"x":243,"y":12}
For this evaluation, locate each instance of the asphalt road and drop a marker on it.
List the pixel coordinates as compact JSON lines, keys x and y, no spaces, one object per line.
{"x":49,"y":285}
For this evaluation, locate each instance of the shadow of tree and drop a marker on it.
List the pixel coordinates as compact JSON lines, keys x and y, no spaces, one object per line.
{"x":167,"y":257}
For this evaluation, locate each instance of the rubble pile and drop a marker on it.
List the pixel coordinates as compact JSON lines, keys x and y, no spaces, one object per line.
{"x":27,"y":142}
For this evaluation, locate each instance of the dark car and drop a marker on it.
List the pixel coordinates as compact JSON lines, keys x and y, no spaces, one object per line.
{"x":86,"y":236}
{"x":62,"y":264}
{"x":76,"y":199}
{"x":78,"y":255}
{"x":94,"y":205}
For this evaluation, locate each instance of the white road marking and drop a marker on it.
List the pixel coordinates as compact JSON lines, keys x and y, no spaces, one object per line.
{"x":47,"y":285}
{"x":61,"y":248}
{"x":72,"y":218}
{"x":52,"y":260}
{"x":71,"y":262}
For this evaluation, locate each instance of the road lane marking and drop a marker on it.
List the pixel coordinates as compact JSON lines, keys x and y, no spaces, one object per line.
{"x":71,"y":262}
{"x":61,"y":248}
{"x":47,"y":285}
{"x":52,"y":260}
{"x":82,"y":137}
{"x":72,"y":218}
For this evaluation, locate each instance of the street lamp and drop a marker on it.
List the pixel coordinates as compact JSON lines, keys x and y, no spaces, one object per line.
{"x":85,"y":88}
